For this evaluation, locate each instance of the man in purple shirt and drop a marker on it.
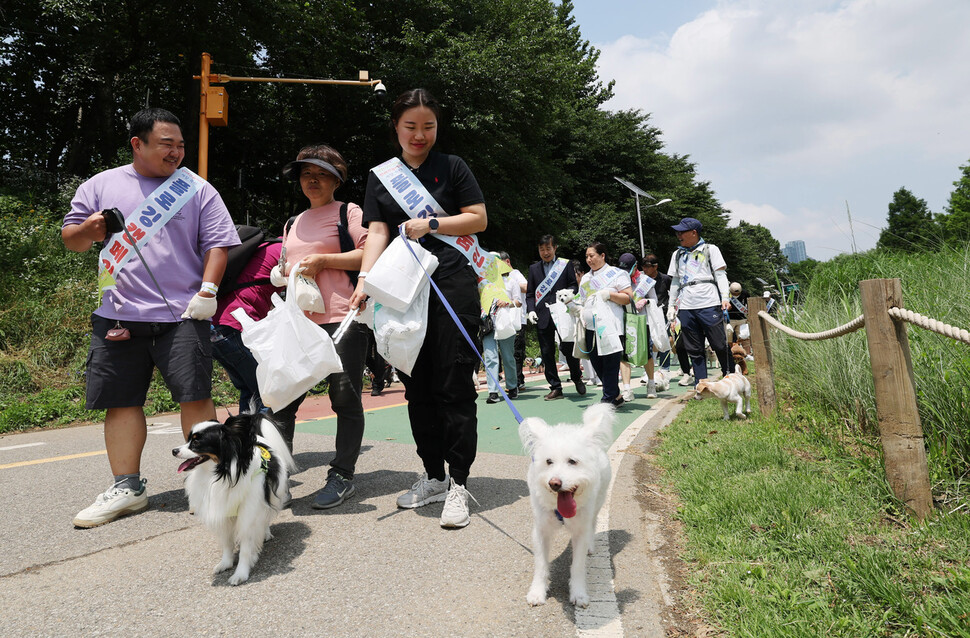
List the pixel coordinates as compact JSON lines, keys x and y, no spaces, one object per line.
{"x":154,"y":316}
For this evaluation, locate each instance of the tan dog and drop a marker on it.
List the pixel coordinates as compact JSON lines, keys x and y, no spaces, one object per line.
{"x":734,"y":388}
{"x":737,"y":351}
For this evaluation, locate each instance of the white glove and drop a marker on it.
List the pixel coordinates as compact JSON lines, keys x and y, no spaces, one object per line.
{"x":533,"y":318}
{"x":565,"y":296}
{"x":200,"y":307}
{"x":671,"y":314}
{"x":276,"y":277}
{"x":640,"y":304}
{"x":604,"y":294}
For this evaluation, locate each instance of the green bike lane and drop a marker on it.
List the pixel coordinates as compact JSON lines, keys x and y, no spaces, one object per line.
{"x":386,"y":416}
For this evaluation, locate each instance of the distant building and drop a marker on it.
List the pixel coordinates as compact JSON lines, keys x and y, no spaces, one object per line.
{"x":795,"y":251}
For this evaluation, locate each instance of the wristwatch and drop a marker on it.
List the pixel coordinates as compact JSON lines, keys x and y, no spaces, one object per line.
{"x":433,"y":224}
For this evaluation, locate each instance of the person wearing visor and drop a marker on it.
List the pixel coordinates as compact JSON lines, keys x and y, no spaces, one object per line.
{"x":699,"y":295}
{"x":326,"y":243}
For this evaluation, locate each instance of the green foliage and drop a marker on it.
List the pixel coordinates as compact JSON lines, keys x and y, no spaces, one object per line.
{"x":910,"y":225}
{"x":956,"y":221}
{"x":791,"y":534}
{"x":835,"y":373}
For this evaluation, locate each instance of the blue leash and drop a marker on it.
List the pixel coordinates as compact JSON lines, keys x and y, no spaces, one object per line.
{"x":454,"y":317}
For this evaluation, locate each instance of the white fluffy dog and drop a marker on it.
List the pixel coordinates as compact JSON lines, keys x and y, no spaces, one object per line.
{"x":568,"y":480}
{"x":734,"y":388}
{"x":237,"y":482}
{"x":661,"y":380}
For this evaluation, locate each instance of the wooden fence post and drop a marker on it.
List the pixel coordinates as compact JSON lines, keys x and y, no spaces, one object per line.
{"x":761,"y":348}
{"x":892,"y":372}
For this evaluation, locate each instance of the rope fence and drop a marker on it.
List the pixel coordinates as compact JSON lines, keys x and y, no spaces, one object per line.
{"x":900,"y":430}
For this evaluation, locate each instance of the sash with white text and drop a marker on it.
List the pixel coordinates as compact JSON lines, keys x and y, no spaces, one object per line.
{"x":554,"y":273}
{"x":415,"y":200}
{"x":149,"y":217}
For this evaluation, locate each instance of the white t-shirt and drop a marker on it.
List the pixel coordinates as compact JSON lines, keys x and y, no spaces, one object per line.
{"x":694,"y":266}
{"x":513,"y":287}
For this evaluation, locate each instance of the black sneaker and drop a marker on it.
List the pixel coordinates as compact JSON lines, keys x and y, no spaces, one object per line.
{"x":492,"y":398}
{"x":336,"y":491}
{"x":513,"y":393}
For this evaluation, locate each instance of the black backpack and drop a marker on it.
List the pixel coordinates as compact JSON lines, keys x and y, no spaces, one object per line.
{"x":343,"y":234}
{"x":252,"y":239}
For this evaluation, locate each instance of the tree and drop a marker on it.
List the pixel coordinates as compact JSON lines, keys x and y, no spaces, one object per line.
{"x":956,"y":221}
{"x":910,"y":225}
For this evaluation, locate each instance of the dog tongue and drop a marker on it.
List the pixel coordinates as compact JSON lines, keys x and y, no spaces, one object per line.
{"x":566,"y":504}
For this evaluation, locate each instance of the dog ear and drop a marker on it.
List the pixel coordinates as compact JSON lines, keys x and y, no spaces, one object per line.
{"x":530,"y":431}
{"x":598,"y":424}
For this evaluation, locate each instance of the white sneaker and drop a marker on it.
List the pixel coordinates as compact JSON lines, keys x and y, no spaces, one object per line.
{"x":652,"y":390}
{"x":645,"y":379}
{"x":455,"y":511}
{"x":424,"y":491}
{"x":686,"y":380}
{"x":627,"y":395}
{"x":114,"y":503}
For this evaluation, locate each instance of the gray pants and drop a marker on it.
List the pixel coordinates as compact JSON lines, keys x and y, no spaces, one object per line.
{"x":344,"y":392}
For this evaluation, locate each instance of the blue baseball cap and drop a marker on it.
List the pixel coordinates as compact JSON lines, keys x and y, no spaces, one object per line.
{"x":688,"y":223}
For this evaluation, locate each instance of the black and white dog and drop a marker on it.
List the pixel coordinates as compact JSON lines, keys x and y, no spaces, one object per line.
{"x":237,"y":482}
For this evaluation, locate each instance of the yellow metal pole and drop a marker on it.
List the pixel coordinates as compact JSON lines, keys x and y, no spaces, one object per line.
{"x":203,"y":122}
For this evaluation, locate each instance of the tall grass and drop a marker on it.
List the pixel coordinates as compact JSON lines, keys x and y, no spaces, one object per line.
{"x":836,"y":374}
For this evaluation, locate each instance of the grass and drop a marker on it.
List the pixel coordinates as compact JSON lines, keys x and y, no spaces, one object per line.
{"x":792,"y":534}
{"x":835,"y":373}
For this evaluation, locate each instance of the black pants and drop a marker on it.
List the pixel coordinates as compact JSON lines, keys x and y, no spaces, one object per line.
{"x":344,"y":392}
{"x":519,"y":351}
{"x":380,"y":369}
{"x":695,"y":326}
{"x":547,"y":349}
{"x":440,"y":391}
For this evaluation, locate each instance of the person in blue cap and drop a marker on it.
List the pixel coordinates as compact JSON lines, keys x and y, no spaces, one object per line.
{"x":699,"y":296}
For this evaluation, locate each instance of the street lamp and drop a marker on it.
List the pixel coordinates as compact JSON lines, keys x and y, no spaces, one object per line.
{"x":637,"y":191}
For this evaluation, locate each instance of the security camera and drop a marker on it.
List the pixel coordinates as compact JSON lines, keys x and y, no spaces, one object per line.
{"x":380,"y":90}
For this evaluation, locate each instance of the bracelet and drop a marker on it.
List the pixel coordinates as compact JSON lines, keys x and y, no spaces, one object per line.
{"x":209,"y":287}
{"x":362,"y":274}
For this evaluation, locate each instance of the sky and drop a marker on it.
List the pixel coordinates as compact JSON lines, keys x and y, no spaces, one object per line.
{"x":799,"y":113}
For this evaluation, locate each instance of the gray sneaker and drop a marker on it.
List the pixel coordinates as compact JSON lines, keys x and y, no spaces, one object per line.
{"x":336,"y":491}
{"x":114,"y":503}
{"x":455,"y":512}
{"x":424,"y":491}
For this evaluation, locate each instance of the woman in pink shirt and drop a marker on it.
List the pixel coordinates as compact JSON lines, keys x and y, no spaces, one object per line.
{"x":330,"y":252}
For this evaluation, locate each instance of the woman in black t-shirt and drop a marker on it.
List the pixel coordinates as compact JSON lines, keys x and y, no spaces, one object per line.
{"x":440,"y":390}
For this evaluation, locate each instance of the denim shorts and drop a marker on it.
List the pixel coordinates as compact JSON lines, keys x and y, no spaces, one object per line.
{"x":119,"y":372}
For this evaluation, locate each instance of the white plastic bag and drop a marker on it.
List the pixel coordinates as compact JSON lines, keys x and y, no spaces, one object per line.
{"x":396,"y":278}
{"x":306,"y":293}
{"x":608,"y":328}
{"x":564,"y":322}
{"x":658,"y":327}
{"x":399,"y":335}
{"x":744,"y":332}
{"x":293,"y":353}
{"x":507,"y":322}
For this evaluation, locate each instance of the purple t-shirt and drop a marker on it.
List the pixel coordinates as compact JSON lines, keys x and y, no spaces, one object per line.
{"x":175,"y":254}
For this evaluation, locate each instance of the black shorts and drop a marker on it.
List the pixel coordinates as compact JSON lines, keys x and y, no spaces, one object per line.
{"x":119,"y":372}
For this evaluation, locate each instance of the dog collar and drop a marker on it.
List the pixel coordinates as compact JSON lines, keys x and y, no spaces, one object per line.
{"x":265,"y":456}
{"x":559,"y":516}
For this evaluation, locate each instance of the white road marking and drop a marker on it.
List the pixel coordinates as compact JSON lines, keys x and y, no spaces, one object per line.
{"x":15,"y":447}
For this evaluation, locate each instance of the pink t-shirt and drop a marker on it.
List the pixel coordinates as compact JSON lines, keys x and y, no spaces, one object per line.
{"x":315,"y":232}
{"x":255,"y":300}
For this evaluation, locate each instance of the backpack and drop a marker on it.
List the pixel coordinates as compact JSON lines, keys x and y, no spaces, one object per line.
{"x":252,"y":239}
{"x":343,"y":234}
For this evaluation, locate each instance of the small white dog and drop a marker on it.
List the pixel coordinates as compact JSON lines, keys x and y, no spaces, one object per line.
{"x":734,"y":388}
{"x":661,"y":380}
{"x":238,"y":480}
{"x":568,"y":480}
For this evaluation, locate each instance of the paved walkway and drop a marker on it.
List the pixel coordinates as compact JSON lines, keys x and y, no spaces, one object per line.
{"x":365,"y":568}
